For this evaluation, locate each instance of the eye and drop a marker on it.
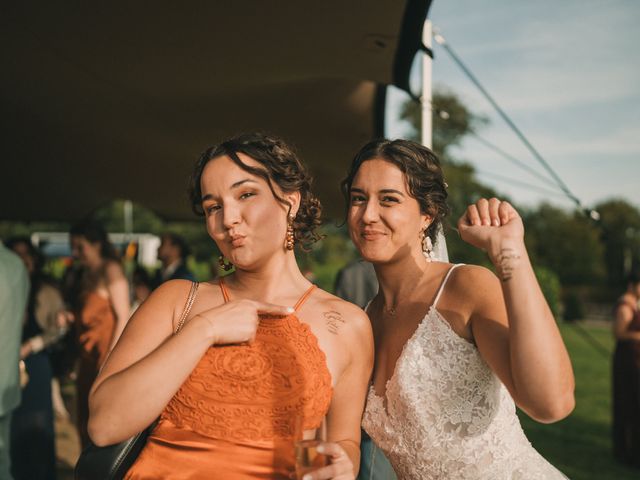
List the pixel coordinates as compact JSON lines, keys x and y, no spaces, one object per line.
{"x":246,"y":195}
{"x":211,"y":209}
{"x":389,"y":199}
{"x":357,"y":199}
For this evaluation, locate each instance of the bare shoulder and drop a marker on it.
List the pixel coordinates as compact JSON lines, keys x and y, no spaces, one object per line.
{"x":340,"y":316}
{"x":473,"y":280}
{"x":113,"y":271}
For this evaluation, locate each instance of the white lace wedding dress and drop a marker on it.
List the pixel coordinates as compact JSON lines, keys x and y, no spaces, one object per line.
{"x":447,"y":414}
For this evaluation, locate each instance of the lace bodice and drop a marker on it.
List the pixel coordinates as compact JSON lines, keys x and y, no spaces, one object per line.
{"x":254,"y":392}
{"x":447,"y":415}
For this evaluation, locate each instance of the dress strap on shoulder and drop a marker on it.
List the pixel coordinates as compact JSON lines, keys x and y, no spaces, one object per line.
{"x":444,"y":282}
{"x":223,"y":289}
{"x":304,"y":298}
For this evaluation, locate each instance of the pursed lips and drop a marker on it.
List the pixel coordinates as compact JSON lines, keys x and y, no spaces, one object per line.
{"x":237,"y":240}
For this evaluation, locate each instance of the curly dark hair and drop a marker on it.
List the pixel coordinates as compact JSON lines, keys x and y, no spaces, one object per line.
{"x":422,"y":171}
{"x":280,"y":165}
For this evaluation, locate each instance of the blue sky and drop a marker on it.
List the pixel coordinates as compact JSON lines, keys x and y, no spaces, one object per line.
{"x":568,"y":74}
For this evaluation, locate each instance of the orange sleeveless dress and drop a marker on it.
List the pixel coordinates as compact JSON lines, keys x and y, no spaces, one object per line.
{"x":235,"y":415}
{"x":97,"y":319}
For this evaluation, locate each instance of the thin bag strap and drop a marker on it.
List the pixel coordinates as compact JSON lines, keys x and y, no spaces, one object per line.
{"x":444,"y":282}
{"x":187,"y":306}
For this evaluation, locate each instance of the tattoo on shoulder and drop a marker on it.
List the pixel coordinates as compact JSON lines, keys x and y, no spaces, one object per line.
{"x":507,"y":261}
{"x":333,"y":320}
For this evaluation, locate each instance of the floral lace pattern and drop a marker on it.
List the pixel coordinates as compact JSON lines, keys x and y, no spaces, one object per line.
{"x":255,"y":392}
{"x":448,"y":416}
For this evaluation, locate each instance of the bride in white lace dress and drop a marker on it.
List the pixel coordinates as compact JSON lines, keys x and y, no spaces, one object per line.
{"x":456,"y":347}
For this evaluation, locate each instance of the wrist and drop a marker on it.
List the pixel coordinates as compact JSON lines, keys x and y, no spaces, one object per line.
{"x":507,"y":256}
{"x":209,"y":326}
{"x":502,"y":247}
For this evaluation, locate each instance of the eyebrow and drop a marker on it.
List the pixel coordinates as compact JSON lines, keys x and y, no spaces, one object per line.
{"x":208,"y":196}
{"x":384,"y":190}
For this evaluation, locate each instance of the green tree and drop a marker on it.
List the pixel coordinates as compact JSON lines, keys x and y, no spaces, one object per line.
{"x":566,"y":242}
{"x":620,"y":222}
{"x":452,"y":121}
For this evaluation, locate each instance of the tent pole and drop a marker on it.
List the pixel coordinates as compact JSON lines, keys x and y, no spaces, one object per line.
{"x":425,"y":100}
{"x":440,"y":247}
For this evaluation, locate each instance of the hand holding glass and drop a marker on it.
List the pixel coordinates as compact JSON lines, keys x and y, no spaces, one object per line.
{"x":307,"y":457}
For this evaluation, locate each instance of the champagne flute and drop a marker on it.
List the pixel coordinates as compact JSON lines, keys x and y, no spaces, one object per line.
{"x":308,"y":458}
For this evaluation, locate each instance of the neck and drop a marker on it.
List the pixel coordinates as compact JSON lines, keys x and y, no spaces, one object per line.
{"x":94,"y":265}
{"x":399,"y":278}
{"x":271,"y":280}
{"x":171,"y":263}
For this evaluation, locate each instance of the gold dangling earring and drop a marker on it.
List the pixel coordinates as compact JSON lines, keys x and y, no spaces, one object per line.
{"x":290,"y":238}
{"x":427,"y":245}
{"x":226,"y":266}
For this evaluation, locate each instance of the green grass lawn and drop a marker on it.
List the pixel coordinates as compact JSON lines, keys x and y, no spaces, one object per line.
{"x":580,"y":445}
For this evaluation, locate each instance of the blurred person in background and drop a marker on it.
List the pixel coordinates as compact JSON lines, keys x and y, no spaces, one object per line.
{"x":141,"y":287}
{"x":32,"y":430}
{"x":99,"y":295}
{"x":626,"y":375}
{"x":14,"y":289}
{"x":173,"y":252}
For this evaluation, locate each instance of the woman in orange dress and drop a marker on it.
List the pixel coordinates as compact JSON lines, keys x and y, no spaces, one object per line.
{"x":260,"y":352}
{"x":100,"y":301}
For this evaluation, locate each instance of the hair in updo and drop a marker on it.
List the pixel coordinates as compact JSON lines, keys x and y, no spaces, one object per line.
{"x":422,"y":172}
{"x":280,"y":165}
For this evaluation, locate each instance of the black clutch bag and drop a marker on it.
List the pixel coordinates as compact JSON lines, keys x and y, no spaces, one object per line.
{"x":111,"y":462}
{"x":114,"y":461}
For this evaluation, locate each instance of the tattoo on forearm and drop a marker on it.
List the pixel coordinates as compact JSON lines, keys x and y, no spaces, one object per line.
{"x":506,"y":262}
{"x":333,"y":320}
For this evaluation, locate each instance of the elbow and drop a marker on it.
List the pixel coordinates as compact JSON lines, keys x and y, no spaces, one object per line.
{"x":97,"y":433}
{"x":555,"y":410}
{"x":100,"y":430}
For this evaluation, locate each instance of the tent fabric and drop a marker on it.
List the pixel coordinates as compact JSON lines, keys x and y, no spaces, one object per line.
{"x":117,"y":100}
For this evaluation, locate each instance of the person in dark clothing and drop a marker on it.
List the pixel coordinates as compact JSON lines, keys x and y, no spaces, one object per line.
{"x":172,"y":252}
{"x":626,"y":375}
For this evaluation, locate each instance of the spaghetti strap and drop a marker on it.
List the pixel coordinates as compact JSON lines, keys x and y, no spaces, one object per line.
{"x":304,"y":297}
{"x":225,"y":293}
{"x":444,"y":282}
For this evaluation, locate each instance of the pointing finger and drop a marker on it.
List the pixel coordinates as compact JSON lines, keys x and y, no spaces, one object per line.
{"x":273,"y":309}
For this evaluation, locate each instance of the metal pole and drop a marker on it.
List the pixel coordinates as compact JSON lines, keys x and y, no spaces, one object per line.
{"x":427,"y":62}
{"x":440,"y":247}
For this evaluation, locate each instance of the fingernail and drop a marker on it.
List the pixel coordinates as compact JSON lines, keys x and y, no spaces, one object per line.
{"x":290,"y":310}
{"x":306,"y":477}
{"x":320,"y":448}
{"x":496,"y":222}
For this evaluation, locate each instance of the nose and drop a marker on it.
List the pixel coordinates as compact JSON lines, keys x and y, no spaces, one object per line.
{"x":230,"y":215}
{"x":371,"y":211}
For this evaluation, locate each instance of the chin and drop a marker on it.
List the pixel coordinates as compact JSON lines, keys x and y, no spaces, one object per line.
{"x":375,"y":255}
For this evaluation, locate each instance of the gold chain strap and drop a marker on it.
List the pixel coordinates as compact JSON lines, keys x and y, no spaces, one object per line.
{"x":187,"y":306}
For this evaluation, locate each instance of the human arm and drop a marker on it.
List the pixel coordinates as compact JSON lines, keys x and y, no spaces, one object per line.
{"x":118,"y":289}
{"x":511,"y":321}
{"x":49,"y":306}
{"x":349,"y":395}
{"x":624,"y":317}
{"x":150,"y":362}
